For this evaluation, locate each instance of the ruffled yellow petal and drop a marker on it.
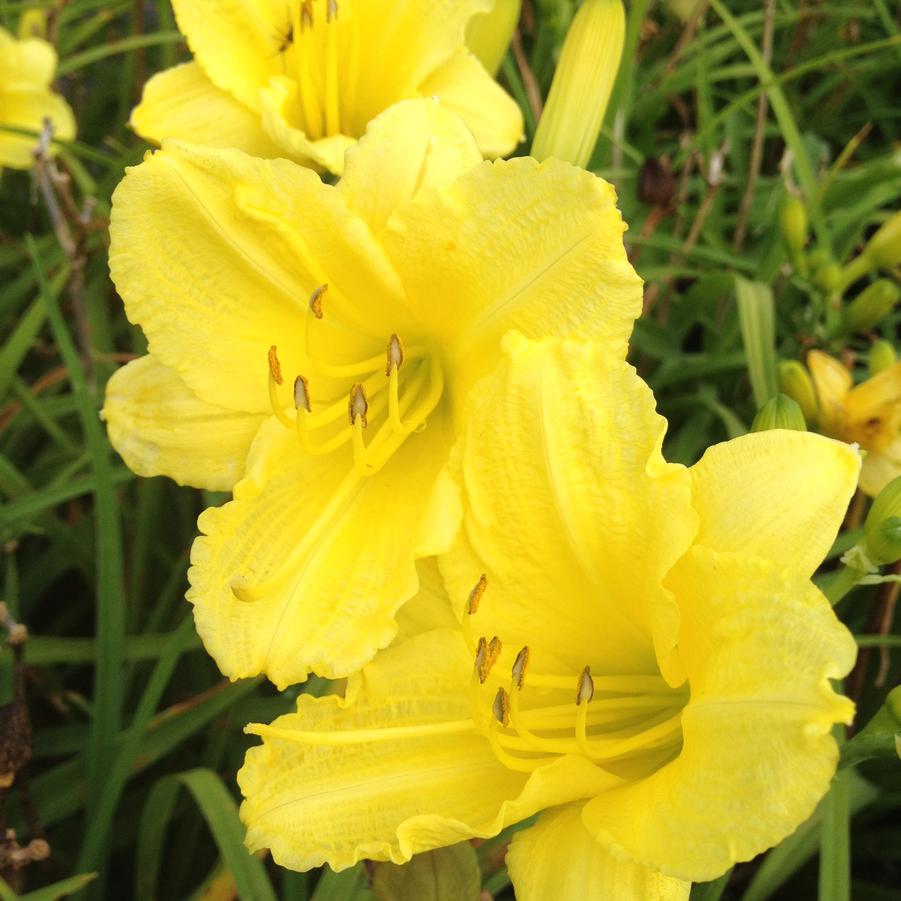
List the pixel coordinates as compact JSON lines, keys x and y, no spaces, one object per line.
{"x":160,"y":427}
{"x":832,"y":382}
{"x":306,"y":568}
{"x":516,"y":244}
{"x":216,"y":254}
{"x":183,"y":103}
{"x":778,"y":494}
{"x":27,"y":107}
{"x":401,"y":44}
{"x":873,"y":411}
{"x":235,"y":41}
{"x":558,"y":858}
{"x":760,"y":645}
{"x":27,"y":63}
{"x":463,"y":87}
{"x":412,"y":146}
{"x":570,"y":509}
{"x":327,"y":796}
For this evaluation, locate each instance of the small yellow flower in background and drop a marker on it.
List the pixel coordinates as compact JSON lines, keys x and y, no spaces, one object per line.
{"x":488,"y":35}
{"x":26,"y":99}
{"x":334,"y":333}
{"x":645,"y":659}
{"x":303,"y":79}
{"x":868,"y":414}
{"x":585,"y":76}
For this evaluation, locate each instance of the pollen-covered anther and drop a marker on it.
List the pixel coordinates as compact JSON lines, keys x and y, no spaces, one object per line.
{"x":358,"y":406}
{"x":302,"y":394}
{"x":479,"y":666}
{"x":275,"y":368}
{"x":586,"y":687}
{"x":501,"y":707}
{"x":331,"y":12}
{"x":395,"y":355}
{"x":476,"y":594}
{"x":520,"y":665}
{"x":494,"y":651}
{"x":306,"y":13}
{"x":317,"y":295}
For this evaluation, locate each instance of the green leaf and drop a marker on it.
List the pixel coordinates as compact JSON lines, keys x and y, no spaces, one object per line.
{"x":348,"y":885}
{"x":60,"y":889}
{"x":755,"y":311}
{"x":445,"y":874}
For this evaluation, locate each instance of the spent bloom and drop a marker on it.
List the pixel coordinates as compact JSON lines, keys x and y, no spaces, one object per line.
{"x":868,"y":414}
{"x":303,"y":79}
{"x":26,"y":98}
{"x":312,"y":347}
{"x":644,"y":661}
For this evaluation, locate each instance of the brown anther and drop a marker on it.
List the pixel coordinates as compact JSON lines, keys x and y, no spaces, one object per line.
{"x":331,"y":11}
{"x":481,"y":657}
{"x":501,"y":707}
{"x":476,"y":594}
{"x":494,"y":651}
{"x":316,"y":300}
{"x":586,"y":687}
{"x":358,"y":406}
{"x":275,"y":368}
{"x":306,"y":14}
{"x":302,"y":394}
{"x":395,"y":354}
{"x":520,"y":665}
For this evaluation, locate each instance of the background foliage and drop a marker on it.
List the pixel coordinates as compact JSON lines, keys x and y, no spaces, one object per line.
{"x":136,"y":735}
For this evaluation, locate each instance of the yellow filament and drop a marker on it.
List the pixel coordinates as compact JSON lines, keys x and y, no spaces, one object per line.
{"x":618,"y":684}
{"x":394,"y":398}
{"x":306,"y":43}
{"x":361,"y":736}
{"x":517,"y":764}
{"x":582,"y":729}
{"x":282,"y":417}
{"x":361,"y":457}
{"x":332,"y":108}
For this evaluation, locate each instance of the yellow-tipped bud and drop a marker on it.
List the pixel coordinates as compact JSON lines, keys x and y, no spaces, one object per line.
{"x":882,"y":355}
{"x":884,"y":248}
{"x":882,"y":531}
{"x":871,"y":306}
{"x":33,"y":24}
{"x":582,"y":84}
{"x":779,"y":412}
{"x":488,"y":35}
{"x":795,"y":381}
{"x":793,"y":225}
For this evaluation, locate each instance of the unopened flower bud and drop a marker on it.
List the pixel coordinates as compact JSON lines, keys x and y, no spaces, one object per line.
{"x":819,"y":258}
{"x":884,"y":248}
{"x":828,"y":277}
{"x":488,"y":35}
{"x":656,"y":185}
{"x":583,"y":82}
{"x":33,"y":24}
{"x":882,"y":355}
{"x":882,"y":531}
{"x":871,"y":306}
{"x":795,"y":381}
{"x":793,"y":224}
{"x":779,"y":412}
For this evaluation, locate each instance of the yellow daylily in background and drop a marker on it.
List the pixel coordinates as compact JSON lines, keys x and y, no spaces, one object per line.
{"x":302,"y":79}
{"x":488,"y":35}
{"x":334,"y":332}
{"x":868,"y":414}
{"x":645,"y":659}
{"x":26,"y":71}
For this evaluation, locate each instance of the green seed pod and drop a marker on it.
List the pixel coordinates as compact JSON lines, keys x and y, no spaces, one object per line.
{"x":793,"y":224}
{"x":779,"y":412}
{"x":871,"y":306}
{"x":882,"y":530}
{"x":882,"y":355}
{"x":884,"y":248}
{"x":795,"y":381}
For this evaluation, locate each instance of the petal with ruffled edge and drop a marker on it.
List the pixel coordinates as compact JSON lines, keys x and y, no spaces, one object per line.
{"x":160,"y":427}
{"x":412,"y":146}
{"x":570,"y":509}
{"x":235,"y":41}
{"x":27,"y":107}
{"x":183,"y":103}
{"x":462,"y":86}
{"x":515,"y":244}
{"x":304,"y":570}
{"x":832,"y":382}
{"x":760,"y":644}
{"x":29,"y":63}
{"x":558,"y":858}
{"x":321,"y":790}
{"x":778,"y":494}
{"x":216,"y":254}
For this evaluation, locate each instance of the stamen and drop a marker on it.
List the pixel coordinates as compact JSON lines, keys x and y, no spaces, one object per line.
{"x":494,"y":651}
{"x":306,"y":13}
{"x":358,"y":406}
{"x":275,"y":368}
{"x":586,"y":687}
{"x":332,"y":100}
{"x":331,"y":11}
{"x":583,"y":698}
{"x":481,"y":657}
{"x":501,"y":707}
{"x":475,"y":596}
{"x":520,"y":665}
{"x":302,"y":394}
{"x":275,"y":379}
{"x":316,"y":300}
{"x":395,"y":354}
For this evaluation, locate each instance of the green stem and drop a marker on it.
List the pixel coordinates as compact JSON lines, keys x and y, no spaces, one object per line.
{"x":835,"y":842}
{"x":857,"y":268}
{"x":842,"y":582}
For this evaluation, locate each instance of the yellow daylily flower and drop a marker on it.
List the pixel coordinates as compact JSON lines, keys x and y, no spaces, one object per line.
{"x":26,"y":71}
{"x":868,"y":414}
{"x":303,"y":79}
{"x":321,"y":329}
{"x":653,"y":672}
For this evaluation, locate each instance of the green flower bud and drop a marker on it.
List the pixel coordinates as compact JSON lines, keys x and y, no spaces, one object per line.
{"x":882,"y":355}
{"x":882,"y":531}
{"x":779,"y":412}
{"x":488,"y":35}
{"x":871,"y":306}
{"x":793,"y":224}
{"x":819,"y":258}
{"x":828,"y":277}
{"x":795,"y":381}
{"x":572,"y":118}
{"x":884,"y":248}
